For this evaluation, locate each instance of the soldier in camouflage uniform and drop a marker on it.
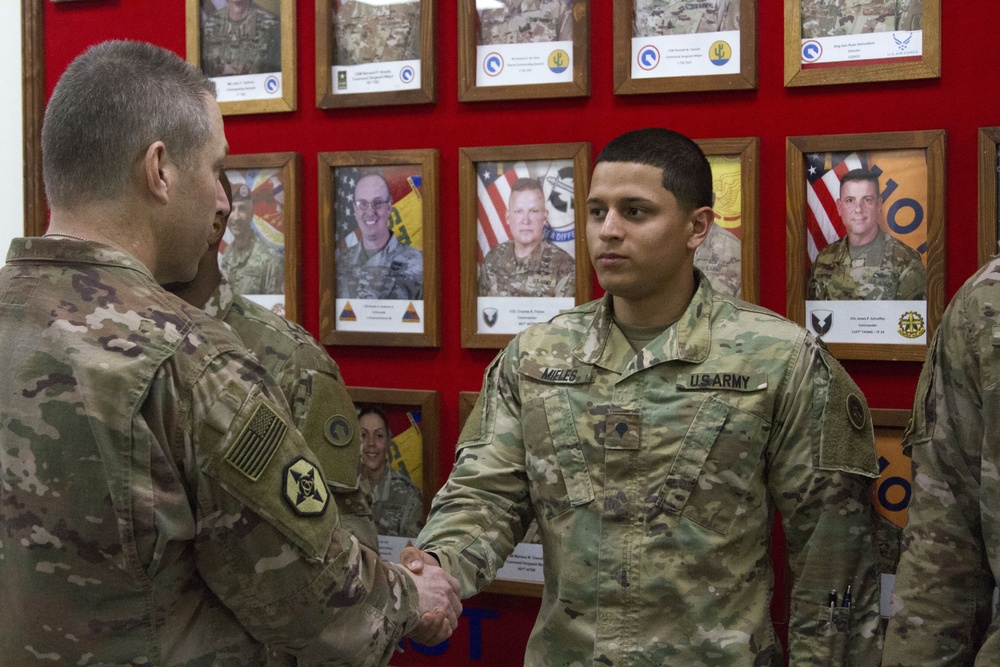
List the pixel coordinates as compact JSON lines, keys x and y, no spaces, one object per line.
{"x":942,"y":604}
{"x":240,"y":38}
{"x":397,"y":506}
{"x":527,"y":21}
{"x":252,"y":266}
{"x":654,"y":434}
{"x":366,"y":33}
{"x":528,"y":264}
{"x":720,"y":259}
{"x":380,"y":267}
{"x":158,"y":507}
{"x":866,"y":264}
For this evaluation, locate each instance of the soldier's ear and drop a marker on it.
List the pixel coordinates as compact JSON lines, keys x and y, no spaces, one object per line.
{"x":701,"y":220}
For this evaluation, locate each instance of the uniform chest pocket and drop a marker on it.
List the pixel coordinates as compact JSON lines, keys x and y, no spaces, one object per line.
{"x":556,"y":467}
{"x":714,"y":468}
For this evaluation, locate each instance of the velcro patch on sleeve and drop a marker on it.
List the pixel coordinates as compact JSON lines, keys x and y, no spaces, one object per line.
{"x":256,"y":444}
{"x":304,"y":489}
{"x":847,"y":440}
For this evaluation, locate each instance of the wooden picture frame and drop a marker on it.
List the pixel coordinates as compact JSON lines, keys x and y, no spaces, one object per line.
{"x":407,"y":305}
{"x":641,"y":63}
{"x":486,"y":176}
{"x":911,"y":183}
{"x":500,"y":585}
{"x":989,"y":214}
{"x":381,"y":79}
{"x":271,"y":183}
{"x":559,"y":70}
{"x":413,"y":419}
{"x":260,"y":89}
{"x":739,"y":210}
{"x":885,"y":60}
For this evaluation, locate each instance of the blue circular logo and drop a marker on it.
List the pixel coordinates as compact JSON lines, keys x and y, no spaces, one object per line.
{"x":406,"y":74}
{"x":272,"y":85}
{"x":811,"y":51}
{"x":649,"y":57}
{"x":493,"y":63}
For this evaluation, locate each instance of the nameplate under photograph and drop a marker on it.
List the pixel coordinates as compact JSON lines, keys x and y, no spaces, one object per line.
{"x":870,"y":233}
{"x":379,"y":245}
{"x":374,"y":53}
{"x":525,"y":216}
{"x":247,"y":49}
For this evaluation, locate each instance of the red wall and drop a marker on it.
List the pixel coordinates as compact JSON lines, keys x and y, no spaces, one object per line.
{"x":959,"y":102}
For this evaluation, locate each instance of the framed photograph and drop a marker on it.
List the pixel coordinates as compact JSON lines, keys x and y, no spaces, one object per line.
{"x":861,"y":40}
{"x":892,"y":491}
{"x":378,"y":239}
{"x":672,"y":46}
{"x":521,"y":573}
{"x":866,"y":241}
{"x":729,"y":255}
{"x":399,"y":456}
{"x":374,"y":53}
{"x":512,"y":50}
{"x":260,"y":249}
{"x":524,"y":250}
{"x":989,"y":213}
{"x":248,"y":49}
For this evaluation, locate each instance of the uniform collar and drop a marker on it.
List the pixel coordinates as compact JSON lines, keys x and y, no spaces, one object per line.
{"x":689,"y":339}
{"x":72,"y":251}
{"x":221,"y":300}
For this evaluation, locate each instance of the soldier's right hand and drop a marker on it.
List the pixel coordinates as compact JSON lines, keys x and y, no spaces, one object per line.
{"x":439,"y":604}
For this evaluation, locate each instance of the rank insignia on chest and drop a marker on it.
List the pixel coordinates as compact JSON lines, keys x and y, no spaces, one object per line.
{"x":731,"y":381}
{"x":304,"y":488}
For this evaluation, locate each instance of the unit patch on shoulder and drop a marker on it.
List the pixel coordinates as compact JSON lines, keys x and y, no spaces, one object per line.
{"x":304,"y":488}
{"x":855,"y":411}
{"x":338,"y":431}
{"x":256,"y":444}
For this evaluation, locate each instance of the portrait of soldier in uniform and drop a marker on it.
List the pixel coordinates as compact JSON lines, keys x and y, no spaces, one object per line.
{"x":527,"y":265}
{"x":654,"y":18}
{"x":834,"y":18}
{"x":240,"y":37}
{"x":397,"y":505}
{"x":526,"y":21}
{"x":252,"y":263}
{"x":379,"y":266}
{"x":866,"y":263}
{"x":375,"y":33}
{"x":720,"y":256}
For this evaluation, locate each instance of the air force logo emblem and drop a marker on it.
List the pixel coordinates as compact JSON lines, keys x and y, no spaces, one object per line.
{"x":304,"y":488}
{"x":490,"y":316}
{"x":822,"y":321}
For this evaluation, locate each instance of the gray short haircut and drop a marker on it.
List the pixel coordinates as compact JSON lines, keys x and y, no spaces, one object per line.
{"x":110,"y":104}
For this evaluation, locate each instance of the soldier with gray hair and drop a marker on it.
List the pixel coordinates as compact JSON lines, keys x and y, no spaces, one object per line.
{"x":654,"y":435}
{"x":159,"y":506}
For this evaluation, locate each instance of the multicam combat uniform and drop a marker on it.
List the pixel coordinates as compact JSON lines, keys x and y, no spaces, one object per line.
{"x":366,"y":33}
{"x":156,"y":506}
{"x":942,"y":602}
{"x":251,"y":45}
{"x":254,"y":270}
{"x":397,"y":506}
{"x":547,"y":271}
{"x":891,"y":270}
{"x":655,"y":479}
{"x":321,"y":408}
{"x":719,"y":258}
{"x":394,"y":272}
{"x":526,"y":21}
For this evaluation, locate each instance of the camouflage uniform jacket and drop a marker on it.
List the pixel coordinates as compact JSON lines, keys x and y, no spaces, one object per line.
{"x":394,"y":272}
{"x":527,"y":21}
{"x":900,"y":275}
{"x":720,"y":259}
{"x":251,"y":45}
{"x":259,"y":270}
{"x":156,"y":508}
{"x":942,"y":607}
{"x":397,"y":505}
{"x":548,"y":271}
{"x":366,"y":33}
{"x":321,"y":408}
{"x":655,"y":480}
